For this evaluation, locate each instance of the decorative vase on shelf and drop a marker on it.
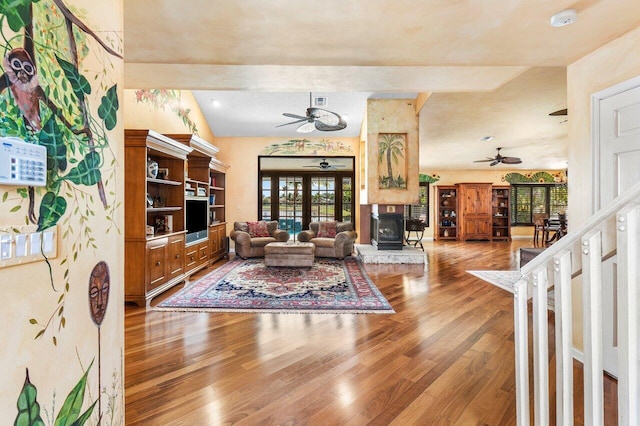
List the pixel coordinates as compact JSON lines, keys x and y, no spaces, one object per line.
{"x":446,"y":233}
{"x":152,"y":168}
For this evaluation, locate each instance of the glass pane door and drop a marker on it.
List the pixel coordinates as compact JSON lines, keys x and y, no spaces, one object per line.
{"x":323,"y":198}
{"x":290,"y":206}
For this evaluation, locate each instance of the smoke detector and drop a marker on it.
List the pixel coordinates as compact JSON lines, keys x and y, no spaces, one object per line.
{"x":566,"y":17}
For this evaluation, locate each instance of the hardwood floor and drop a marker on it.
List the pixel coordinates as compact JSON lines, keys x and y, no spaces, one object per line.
{"x":445,"y":357}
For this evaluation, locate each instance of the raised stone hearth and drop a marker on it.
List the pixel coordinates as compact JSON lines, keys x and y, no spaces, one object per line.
{"x":408,"y":255}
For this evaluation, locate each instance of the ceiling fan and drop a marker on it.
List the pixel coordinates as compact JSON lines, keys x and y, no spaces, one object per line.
{"x":324,"y":165}
{"x":500,"y":159}
{"x":316,"y":119}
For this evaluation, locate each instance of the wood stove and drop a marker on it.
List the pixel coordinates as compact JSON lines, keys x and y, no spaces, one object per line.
{"x":387,"y":231}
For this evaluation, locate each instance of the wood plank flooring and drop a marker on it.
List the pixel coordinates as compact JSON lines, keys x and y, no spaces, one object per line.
{"x":446,"y":356}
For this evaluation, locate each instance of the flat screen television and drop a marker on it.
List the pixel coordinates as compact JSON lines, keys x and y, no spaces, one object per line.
{"x":197,"y":213}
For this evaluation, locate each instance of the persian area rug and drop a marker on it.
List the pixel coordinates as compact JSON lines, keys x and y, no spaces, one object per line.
{"x":330,"y":286}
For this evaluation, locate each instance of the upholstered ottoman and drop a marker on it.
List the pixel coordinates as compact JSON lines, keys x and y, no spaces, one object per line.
{"x":289,"y":254}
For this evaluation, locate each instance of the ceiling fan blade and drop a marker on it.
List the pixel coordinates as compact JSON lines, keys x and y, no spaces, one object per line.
{"x":511,"y":160}
{"x":293,"y":122}
{"x":306,"y":127}
{"x":325,"y":128}
{"x":288,"y":114}
{"x":484,"y":161}
{"x":559,"y":112}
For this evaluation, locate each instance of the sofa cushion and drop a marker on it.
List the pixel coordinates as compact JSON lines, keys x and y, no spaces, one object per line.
{"x":327,"y":229}
{"x":258,"y":229}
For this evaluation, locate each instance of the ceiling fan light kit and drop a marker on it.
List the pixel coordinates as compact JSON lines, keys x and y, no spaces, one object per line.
{"x":316,"y":119}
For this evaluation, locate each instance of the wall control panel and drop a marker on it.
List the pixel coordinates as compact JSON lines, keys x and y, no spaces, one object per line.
{"x":22,"y":163}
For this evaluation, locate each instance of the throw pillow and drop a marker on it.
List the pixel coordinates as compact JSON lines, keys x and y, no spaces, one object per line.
{"x":327,"y":229}
{"x":258,"y":229}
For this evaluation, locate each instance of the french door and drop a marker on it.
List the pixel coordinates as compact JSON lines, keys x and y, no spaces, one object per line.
{"x":295,"y":199}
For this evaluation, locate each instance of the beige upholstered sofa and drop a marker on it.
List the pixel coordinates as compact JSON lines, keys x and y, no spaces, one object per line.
{"x":251,"y":242}
{"x":320,"y":234}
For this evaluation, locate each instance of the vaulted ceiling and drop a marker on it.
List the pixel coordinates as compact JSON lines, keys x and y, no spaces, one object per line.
{"x":492,"y":67}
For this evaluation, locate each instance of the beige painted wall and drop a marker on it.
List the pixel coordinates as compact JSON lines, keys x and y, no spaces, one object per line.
{"x":143,"y":115}
{"x":392,"y":116}
{"x":613,"y":63}
{"x":242,"y":177}
{"x":35,"y":293}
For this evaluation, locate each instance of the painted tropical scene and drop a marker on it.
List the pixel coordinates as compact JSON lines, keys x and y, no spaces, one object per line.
{"x":392,"y":161}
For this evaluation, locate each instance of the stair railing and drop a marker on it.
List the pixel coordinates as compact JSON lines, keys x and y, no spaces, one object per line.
{"x":614,"y":229}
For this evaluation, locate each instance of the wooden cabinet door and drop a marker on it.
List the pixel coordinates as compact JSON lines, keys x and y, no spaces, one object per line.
{"x":176,"y":255}
{"x":156,"y":263}
{"x":222,"y":240}
{"x":475,"y":211}
{"x":213,"y":241}
{"x":476,"y":198}
{"x":190,"y":257}
{"x":203,"y":252}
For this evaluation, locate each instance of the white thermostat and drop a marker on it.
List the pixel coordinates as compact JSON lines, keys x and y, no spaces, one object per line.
{"x":22,"y":163}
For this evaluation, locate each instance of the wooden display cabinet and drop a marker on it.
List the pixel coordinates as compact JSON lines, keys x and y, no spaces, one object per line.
{"x":217,"y":210}
{"x":206,"y":178}
{"x":501,"y":212}
{"x":446,"y":223}
{"x":154,"y":211}
{"x":474,"y":211}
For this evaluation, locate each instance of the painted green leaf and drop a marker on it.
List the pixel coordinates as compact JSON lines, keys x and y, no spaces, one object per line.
{"x":52,"y":208}
{"x":85,"y":416}
{"x":28,"y":407}
{"x":87,"y":172}
{"x":109,"y":107}
{"x":79,"y":83}
{"x":52,"y":138}
{"x":70,"y":411}
{"x":16,"y":12}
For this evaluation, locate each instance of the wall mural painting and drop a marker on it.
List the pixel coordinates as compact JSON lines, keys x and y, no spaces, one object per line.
{"x":99,"y":284}
{"x":307,"y":147}
{"x":392,"y":161}
{"x":433,"y":178}
{"x":46,"y":104}
{"x":160,"y":99}
{"x":536,"y":177}
{"x":44,"y":99}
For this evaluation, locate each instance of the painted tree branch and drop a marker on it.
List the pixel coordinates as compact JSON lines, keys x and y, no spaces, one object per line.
{"x":74,"y":19}
{"x":82,"y":103}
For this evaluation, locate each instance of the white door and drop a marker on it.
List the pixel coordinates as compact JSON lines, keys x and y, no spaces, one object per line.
{"x":617,"y":153}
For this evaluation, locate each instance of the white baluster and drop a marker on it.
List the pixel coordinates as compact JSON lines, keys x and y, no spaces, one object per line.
{"x":564,"y":341}
{"x":628,"y":233}
{"x":540,"y":348}
{"x":521,"y":335}
{"x":592,"y":328}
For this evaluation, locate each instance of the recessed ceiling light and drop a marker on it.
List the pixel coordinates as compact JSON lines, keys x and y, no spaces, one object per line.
{"x":215,"y":103}
{"x":486,"y":138}
{"x":566,"y":17}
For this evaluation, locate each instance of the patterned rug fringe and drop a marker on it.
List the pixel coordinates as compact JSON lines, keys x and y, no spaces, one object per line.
{"x":272,"y":311}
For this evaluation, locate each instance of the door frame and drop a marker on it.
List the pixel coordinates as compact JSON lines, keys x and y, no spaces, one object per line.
{"x":596,"y":98}
{"x":609,"y":301}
